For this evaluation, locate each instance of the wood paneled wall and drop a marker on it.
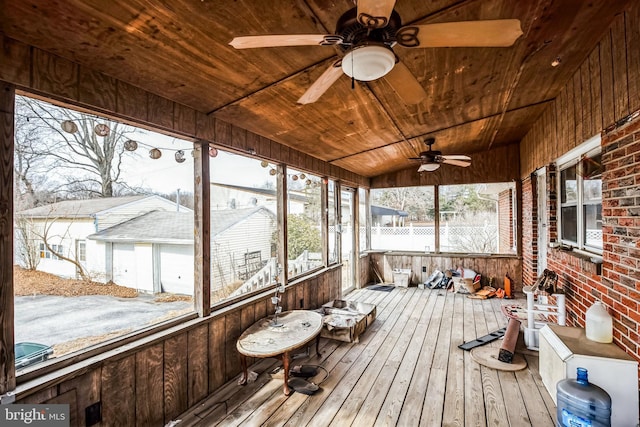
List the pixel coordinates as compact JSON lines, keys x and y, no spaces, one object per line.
{"x":599,"y":98}
{"x":488,"y":267}
{"x":51,"y":76}
{"x":602,"y":91}
{"x":152,"y":382}
{"x":497,"y":165}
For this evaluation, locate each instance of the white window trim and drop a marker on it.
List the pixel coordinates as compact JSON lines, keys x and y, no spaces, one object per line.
{"x":590,"y":146}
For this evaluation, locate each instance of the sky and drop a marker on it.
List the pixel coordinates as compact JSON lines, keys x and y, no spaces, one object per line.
{"x":165,"y":174}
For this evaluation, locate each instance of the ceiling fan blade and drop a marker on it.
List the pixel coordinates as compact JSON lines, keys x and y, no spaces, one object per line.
{"x":250,"y":42}
{"x":375,"y":13}
{"x":428,"y":167}
{"x":462,"y":163}
{"x":321,"y":85}
{"x":456,"y":157}
{"x":490,"y":33}
{"x":405,"y":84}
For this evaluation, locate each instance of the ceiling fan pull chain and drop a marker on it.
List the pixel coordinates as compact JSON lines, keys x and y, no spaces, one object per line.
{"x":353,"y":80}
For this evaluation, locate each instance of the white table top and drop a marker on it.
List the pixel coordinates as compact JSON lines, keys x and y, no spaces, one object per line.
{"x":262,"y":339}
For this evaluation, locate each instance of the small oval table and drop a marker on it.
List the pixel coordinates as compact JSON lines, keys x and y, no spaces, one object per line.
{"x":294,"y":330}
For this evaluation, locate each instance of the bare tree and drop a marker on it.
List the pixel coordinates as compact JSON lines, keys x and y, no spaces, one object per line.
{"x":26,"y":244}
{"x":30,"y":169}
{"x":417,"y":201}
{"x":53,"y":243}
{"x":85,"y":163}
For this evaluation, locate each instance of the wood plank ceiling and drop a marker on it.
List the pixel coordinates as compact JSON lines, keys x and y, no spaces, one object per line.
{"x":478,"y":98}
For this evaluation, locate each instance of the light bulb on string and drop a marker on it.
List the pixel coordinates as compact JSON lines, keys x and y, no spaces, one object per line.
{"x":154,"y":153}
{"x":179,"y":156}
{"x":69,"y":126}
{"x":101,"y":129}
{"x":131,"y":145}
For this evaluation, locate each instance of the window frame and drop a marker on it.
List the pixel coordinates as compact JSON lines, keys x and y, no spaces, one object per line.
{"x":590,"y":148}
{"x":512,"y":225}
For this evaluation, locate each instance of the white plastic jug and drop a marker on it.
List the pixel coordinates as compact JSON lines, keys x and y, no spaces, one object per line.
{"x":599,"y":325}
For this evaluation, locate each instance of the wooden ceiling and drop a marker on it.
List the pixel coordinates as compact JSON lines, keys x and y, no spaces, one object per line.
{"x":478,"y":98}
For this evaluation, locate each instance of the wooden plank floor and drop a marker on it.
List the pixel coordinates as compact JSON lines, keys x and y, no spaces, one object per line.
{"x":407,"y":370}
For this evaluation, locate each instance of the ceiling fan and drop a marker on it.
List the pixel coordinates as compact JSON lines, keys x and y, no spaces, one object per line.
{"x":431,"y":160}
{"x":367,"y":34}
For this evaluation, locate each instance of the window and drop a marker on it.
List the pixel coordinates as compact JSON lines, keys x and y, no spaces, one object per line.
{"x":362,"y":218}
{"x":403,"y":219}
{"x":304,"y":222}
{"x":347,"y":210}
{"x":580,"y":183}
{"x":103,"y":215}
{"x":244,"y":226}
{"x":55,"y":253}
{"x":332,"y":219}
{"x":82,"y":250}
{"x":477,"y":218}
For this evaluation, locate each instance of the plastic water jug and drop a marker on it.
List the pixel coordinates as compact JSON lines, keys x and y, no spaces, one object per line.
{"x":599,"y":325}
{"x":581,"y":404}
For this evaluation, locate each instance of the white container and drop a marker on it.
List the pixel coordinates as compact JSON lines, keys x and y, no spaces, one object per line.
{"x":598,"y":324}
{"x":402,"y":277}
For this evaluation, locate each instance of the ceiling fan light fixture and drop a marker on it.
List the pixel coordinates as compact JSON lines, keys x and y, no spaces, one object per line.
{"x":368,"y":62}
{"x":428,"y":167}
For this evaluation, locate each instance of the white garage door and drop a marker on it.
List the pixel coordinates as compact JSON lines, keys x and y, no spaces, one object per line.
{"x":176,"y":269}
{"x":124,"y":265}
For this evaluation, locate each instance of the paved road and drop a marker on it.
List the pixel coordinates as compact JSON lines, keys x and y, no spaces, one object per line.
{"x":52,"y":320}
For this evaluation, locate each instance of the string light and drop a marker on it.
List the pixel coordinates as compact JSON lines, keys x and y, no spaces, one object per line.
{"x":68,"y":126}
{"x":294,"y":177}
{"x":102,"y":129}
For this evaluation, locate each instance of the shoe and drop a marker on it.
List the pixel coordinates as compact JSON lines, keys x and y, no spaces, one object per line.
{"x":303,"y":386}
{"x":303,"y":371}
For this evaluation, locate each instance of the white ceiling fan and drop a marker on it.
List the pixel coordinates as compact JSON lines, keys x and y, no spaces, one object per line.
{"x":431,"y":160}
{"x":367,"y":34}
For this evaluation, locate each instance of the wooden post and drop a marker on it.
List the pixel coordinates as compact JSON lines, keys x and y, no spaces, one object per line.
{"x":202,"y":232}
{"x":356,"y":239}
{"x":283,"y":211}
{"x":324,"y":220}
{"x":7,"y":356}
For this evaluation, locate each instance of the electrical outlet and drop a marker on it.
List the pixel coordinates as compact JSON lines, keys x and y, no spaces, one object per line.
{"x":93,"y":414}
{"x":424,"y":268}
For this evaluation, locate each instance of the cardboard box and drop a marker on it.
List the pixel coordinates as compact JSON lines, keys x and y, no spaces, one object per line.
{"x":465,"y":286}
{"x":346,"y":320}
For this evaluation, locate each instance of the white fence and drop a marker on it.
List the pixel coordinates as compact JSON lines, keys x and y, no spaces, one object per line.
{"x":453,"y":238}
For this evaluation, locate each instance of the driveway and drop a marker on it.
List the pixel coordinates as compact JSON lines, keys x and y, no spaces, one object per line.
{"x":50,"y":320}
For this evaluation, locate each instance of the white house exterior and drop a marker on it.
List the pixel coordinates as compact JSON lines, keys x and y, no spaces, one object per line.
{"x":154,"y":252}
{"x":68,"y":223}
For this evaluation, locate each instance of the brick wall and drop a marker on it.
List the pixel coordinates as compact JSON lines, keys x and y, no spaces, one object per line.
{"x":505,"y":221}
{"x":621,"y":233}
{"x":529,"y":231}
{"x":616,"y":282}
